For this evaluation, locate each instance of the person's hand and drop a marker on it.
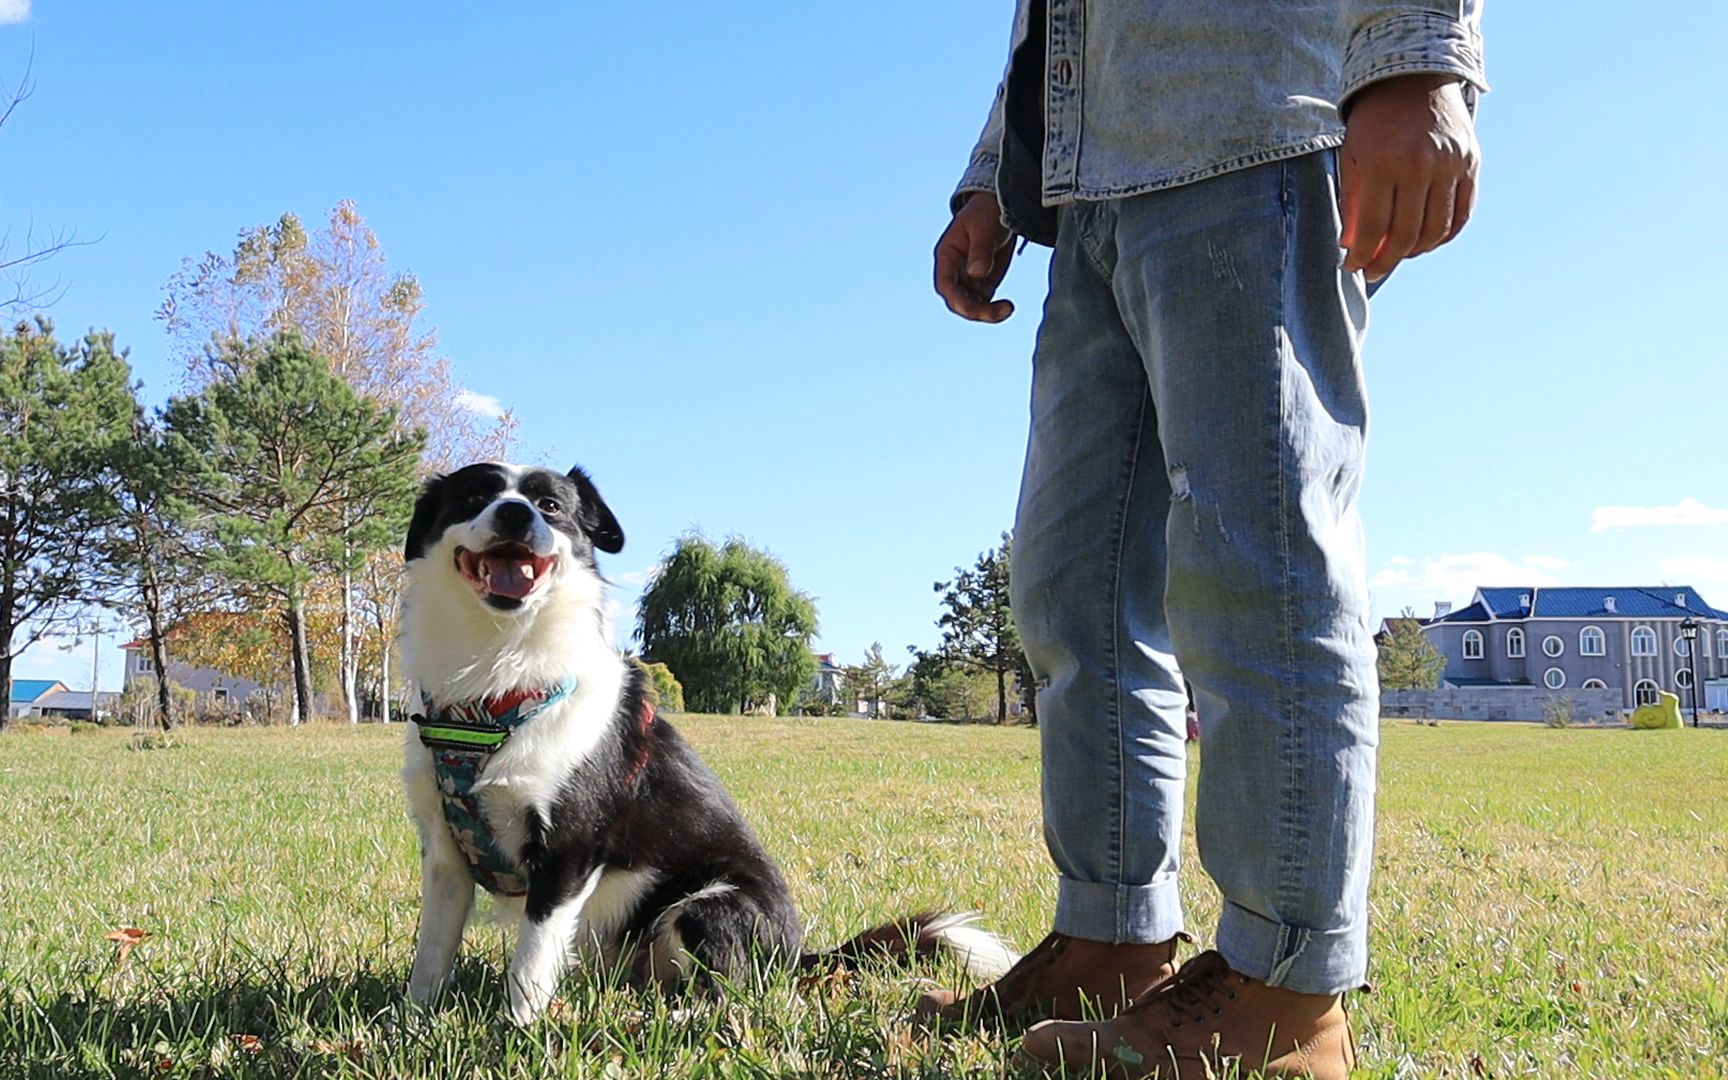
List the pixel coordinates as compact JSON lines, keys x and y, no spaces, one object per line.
{"x":1407,"y":171}
{"x":971,"y":259}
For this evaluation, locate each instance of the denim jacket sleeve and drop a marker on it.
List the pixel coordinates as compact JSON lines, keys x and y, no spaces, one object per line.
{"x":1401,"y":37}
{"x":980,"y":174}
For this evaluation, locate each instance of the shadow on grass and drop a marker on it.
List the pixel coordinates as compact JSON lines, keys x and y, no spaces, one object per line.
{"x":254,"y":1016}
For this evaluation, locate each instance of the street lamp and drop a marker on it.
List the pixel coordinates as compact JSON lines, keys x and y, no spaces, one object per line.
{"x":1689,"y":631}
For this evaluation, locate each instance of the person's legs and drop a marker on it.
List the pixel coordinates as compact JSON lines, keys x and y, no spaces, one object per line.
{"x":1087,"y":581}
{"x":1088,"y":593}
{"x":1232,"y":290}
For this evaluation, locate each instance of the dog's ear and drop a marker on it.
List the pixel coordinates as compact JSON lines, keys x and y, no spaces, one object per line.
{"x":595,"y":516}
{"x":425,"y":515}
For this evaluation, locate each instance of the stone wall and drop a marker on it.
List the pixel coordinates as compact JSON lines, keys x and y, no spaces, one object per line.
{"x":1494,"y":703}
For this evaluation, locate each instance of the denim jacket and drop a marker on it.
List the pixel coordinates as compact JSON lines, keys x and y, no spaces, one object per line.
{"x":1108,"y":98}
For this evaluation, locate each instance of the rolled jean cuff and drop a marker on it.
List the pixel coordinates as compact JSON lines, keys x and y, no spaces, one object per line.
{"x":1119,"y":914}
{"x":1293,"y":957}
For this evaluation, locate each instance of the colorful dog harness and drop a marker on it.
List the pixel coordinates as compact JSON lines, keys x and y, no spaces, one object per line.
{"x":462,"y":738}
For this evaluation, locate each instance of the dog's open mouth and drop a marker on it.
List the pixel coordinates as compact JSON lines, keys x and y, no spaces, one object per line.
{"x":506,"y":571}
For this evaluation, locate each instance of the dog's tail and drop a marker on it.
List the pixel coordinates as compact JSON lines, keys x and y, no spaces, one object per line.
{"x":983,"y":955}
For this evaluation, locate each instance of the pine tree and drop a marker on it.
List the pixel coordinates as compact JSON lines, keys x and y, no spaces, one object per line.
{"x":1408,"y":660}
{"x":290,"y":474}
{"x":978,"y":628}
{"x":64,"y":411}
{"x":871,"y":680}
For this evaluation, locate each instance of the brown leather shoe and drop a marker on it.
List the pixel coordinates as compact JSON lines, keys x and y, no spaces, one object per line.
{"x":1066,"y":978}
{"x":1199,"y":1022}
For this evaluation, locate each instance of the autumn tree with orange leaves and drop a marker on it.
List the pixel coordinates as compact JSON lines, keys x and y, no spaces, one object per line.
{"x":335,"y":288}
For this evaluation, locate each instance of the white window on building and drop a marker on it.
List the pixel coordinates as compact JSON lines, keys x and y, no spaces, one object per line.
{"x":219,"y":695}
{"x":1683,"y":679}
{"x":1722,"y":644}
{"x":1514,"y":643}
{"x":1472,"y":644}
{"x":1643,"y":642}
{"x":1682,"y":647}
{"x":1554,"y":678}
{"x":142,"y":664}
{"x":1552,"y":645}
{"x":1592,"y":642}
{"x":1645,"y":692}
{"x":1595,"y":684}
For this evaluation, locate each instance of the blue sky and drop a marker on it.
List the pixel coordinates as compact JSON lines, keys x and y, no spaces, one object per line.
{"x":688,"y":244}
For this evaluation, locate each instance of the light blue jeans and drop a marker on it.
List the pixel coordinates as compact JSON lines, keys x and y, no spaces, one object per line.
{"x":1188,"y":510}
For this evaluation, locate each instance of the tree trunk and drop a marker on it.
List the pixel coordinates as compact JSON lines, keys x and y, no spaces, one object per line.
{"x":6,"y":678}
{"x":350,"y":662}
{"x":384,"y":684}
{"x":7,"y":611}
{"x":159,"y":657}
{"x":1001,"y":696}
{"x":302,"y":661}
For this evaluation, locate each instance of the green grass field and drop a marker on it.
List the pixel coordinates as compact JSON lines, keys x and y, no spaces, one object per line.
{"x":1547,"y":903}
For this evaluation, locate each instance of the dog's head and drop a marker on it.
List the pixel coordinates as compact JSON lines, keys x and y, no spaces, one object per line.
{"x":511,"y":534}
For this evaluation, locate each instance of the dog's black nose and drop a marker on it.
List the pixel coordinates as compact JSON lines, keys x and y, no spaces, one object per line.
{"x":513,"y":519}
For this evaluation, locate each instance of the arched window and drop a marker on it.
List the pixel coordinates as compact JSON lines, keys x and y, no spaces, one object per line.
{"x":1554,"y":678}
{"x":1472,"y":644}
{"x":1645,"y":692}
{"x":1514,"y":642}
{"x":1682,"y":647}
{"x":1643,"y":642}
{"x":1592,"y":641}
{"x":1552,"y":645}
{"x":1722,"y":644}
{"x":1595,"y":684}
{"x":1683,"y":679}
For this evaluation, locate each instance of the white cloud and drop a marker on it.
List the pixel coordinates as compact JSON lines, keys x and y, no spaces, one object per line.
{"x":468,"y":400}
{"x":1400,"y":560}
{"x":1693,"y":569}
{"x":1684,"y":512}
{"x":634,"y":579}
{"x":14,"y":11}
{"x":1457,"y":576}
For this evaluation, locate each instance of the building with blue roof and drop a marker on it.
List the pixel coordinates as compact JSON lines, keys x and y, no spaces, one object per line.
{"x":1625,"y":639}
{"x":28,"y":694}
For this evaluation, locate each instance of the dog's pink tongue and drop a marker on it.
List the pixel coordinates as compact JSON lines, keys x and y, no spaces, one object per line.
{"x":508,"y":577}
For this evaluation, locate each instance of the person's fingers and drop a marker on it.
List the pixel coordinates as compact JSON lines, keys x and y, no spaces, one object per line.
{"x":1409,"y":205}
{"x":965,"y":296}
{"x":1437,"y":216}
{"x":1463,"y":204}
{"x":1369,"y":217}
{"x":1349,"y":180}
{"x":980,"y":254}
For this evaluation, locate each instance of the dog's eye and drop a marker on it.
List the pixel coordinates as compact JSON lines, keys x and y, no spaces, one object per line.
{"x":549,"y":507}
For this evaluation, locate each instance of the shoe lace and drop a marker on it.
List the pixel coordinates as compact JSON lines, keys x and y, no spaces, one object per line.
{"x":1196,"y":993}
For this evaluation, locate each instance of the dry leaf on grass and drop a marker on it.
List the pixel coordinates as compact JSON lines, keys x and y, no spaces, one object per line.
{"x":127,"y":937}
{"x":249,"y":1044}
{"x":352,"y":1049}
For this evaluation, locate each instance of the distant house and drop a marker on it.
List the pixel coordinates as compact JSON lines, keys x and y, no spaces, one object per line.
{"x":28,"y":694}
{"x":827,"y":686}
{"x":1388,"y":628}
{"x":77,"y":705}
{"x":1623,"y":639}
{"x":215,"y":689}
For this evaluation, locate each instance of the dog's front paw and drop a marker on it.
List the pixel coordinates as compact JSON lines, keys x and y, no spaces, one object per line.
{"x":528,"y":998}
{"x":424,"y":988}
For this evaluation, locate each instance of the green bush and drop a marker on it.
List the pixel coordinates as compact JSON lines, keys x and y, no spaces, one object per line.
{"x":664,"y":689}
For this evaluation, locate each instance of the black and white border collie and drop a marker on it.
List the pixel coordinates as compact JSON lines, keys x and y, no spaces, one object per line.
{"x":627,"y":845}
